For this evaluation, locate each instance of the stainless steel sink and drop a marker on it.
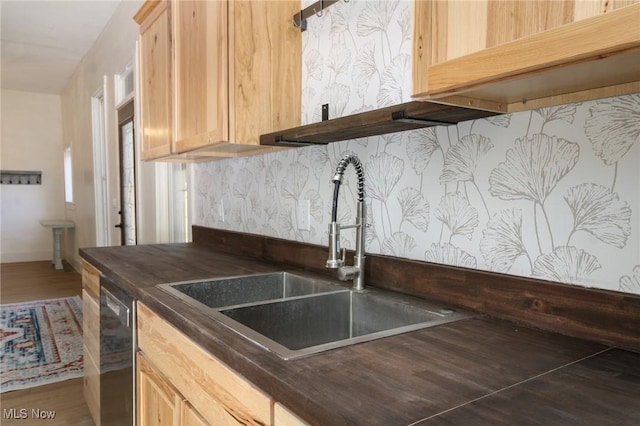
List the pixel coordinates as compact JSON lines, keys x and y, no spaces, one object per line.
{"x":295,"y":316}
{"x":243,"y":289}
{"x":311,"y":324}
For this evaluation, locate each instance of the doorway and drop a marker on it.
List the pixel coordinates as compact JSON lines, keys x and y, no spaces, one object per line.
{"x":100,"y":167}
{"x":127,"y":160}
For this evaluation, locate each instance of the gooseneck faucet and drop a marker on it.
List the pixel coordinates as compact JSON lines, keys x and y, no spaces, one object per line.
{"x":336,"y":259}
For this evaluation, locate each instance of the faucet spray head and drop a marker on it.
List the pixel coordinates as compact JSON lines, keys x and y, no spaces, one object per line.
{"x":338,"y":177}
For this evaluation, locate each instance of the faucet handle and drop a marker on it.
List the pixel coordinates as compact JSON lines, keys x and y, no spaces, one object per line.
{"x":347,"y":273}
{"x":344,"y":255}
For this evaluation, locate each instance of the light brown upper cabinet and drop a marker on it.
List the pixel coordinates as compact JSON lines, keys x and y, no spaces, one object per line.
{"x":515,"y":55}
{"x":155,"y":80}
{"x":234,"y":74}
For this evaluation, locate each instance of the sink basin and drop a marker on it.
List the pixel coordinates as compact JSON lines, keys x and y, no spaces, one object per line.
{"x":316,"y":323}
{"x":243,"y":289}
{"x":294,"y":315}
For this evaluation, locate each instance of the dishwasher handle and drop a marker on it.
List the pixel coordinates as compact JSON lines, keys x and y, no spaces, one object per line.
{"x":117,"y":307}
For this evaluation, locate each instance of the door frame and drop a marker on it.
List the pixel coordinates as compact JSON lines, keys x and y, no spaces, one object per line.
{"x":100,"y":170}
{"x":125,"y":114}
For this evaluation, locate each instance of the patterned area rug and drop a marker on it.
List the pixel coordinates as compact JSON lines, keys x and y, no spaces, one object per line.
{"x":41,"y":342}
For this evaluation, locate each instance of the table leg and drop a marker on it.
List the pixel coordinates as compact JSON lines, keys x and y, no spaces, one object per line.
{"x":57,"y":258}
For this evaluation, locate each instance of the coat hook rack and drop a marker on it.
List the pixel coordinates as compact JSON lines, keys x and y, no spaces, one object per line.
{"x":317,"y":9}
{"x":19,"y":177}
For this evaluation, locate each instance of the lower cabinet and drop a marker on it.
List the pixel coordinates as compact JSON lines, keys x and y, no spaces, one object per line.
{"x":182,"y":384}
{"x":283,"y":417}
{"x":158,"y":402}
{"x":91,"y":338}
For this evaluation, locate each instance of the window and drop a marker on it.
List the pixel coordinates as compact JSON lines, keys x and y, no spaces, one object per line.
{"x":68,"y":176}
{"x":124,"y":84}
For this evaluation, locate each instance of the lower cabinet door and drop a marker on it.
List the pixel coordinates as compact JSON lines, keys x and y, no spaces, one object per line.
{"x":157,"y":402}
{"x":91,"y":352}
{"x":189,"y":416}
{"x":283,"y":417}
{"x":219,"y":394}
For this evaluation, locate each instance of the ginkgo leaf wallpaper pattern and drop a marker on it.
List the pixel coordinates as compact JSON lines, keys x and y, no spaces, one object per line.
{"x":552,"y":193}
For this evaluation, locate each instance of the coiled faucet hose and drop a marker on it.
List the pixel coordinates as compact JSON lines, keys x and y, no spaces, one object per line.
{"x":342,"y":165}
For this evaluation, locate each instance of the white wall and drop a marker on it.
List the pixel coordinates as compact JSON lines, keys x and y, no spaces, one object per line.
{"x":551,"y":193}
{"x":31,"y":140}
{"x":109,"y":55}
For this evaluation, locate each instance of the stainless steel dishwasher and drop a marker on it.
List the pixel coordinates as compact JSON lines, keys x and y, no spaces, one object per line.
{"x":117,"y":373}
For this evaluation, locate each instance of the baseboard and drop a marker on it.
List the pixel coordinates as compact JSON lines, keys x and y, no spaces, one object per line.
{"x":76,"y":263}
{"x":15,"y":257}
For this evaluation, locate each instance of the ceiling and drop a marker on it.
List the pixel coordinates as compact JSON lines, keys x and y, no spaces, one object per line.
{"x":44,"y":41}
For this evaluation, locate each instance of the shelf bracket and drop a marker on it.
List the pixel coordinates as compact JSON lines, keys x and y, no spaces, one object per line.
{"x":401,"y":116}
{"x":280,"y":140}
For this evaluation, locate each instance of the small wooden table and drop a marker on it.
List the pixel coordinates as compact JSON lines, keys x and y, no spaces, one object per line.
{"x":57,"y":226}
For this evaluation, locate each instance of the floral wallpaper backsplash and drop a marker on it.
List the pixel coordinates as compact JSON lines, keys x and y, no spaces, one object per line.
{"x":552,"y":193}
{"x":356,"y":57}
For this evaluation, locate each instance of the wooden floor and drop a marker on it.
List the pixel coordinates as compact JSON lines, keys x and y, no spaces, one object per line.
{"x":21,"y":282}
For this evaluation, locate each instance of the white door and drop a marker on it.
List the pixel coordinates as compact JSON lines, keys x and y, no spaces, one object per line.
{"x":127,"y":156}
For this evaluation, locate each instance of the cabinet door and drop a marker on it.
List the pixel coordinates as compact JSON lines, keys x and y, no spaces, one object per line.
{"x":91,"y":354}
{"x":234,"y":84}
{"x":283,"y":417}
{"x":157,"y":404}
{"x":189,"y":416}
{"x":266,"y":71}
{"x":91,"y":386}
{"x":219,"y":394}
{"x":201,"y":73}
{"x":91,"y":280}
{"x":513,"y":52}
{"x":155,"y":82}
{"x":215,"y":75}
{"x":91,"y":338}
{"x":91,"y":326}
{"x":451,"y":28}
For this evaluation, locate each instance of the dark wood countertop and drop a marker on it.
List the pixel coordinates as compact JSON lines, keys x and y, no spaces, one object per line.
{"x":477,"y":371}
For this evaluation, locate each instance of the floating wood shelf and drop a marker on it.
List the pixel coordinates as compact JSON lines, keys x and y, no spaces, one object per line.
{"x":397,"y":118}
